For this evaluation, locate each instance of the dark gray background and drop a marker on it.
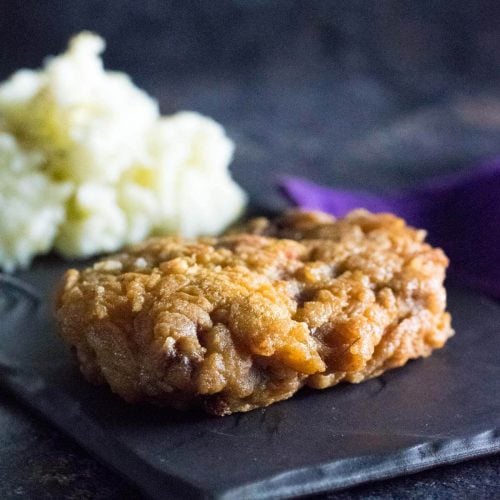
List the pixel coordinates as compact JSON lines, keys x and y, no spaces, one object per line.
{"x":343,"y":92}
{"x":335,"y":90}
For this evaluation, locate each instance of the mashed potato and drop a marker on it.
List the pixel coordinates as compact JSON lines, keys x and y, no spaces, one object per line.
{"x":191,"y":184}
{"x":87,"y":164}
{"x":31,"y":205}
{"x":90,"y":123}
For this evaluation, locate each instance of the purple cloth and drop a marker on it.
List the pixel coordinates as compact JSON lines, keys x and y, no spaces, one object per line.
{"x":460,"y":212}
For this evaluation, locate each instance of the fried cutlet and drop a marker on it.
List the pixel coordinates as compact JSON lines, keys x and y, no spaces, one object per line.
{"x":247,"y":319}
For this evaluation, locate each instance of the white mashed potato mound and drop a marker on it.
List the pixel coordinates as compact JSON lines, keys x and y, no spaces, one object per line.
{"x":31,"y":205}
{"x":87,"y":165}
{"x":89,"y":122}
{"x":195,"y":194}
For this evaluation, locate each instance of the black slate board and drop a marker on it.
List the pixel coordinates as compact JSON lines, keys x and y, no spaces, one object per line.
{"x":440,"y":410}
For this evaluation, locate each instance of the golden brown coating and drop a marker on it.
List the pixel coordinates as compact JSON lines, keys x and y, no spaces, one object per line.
{"x":244,"y":320}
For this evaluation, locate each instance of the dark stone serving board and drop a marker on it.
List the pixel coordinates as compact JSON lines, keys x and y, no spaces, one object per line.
{"x":440,"y":410}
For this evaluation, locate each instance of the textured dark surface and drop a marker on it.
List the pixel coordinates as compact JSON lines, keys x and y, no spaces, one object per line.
{"x":36,"y":461}
{"x":358,"y":93}
{"x":435,"y":411}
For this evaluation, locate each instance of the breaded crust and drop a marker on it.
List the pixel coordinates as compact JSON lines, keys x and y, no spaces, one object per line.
{"x":247,"y":319}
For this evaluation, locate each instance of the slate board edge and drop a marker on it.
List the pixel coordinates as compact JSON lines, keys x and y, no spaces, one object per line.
{"x":330,"y":476}
{"x":369,"y":468}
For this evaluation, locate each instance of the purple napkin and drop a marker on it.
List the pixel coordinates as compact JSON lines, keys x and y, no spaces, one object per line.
{"x":460,"y":212}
